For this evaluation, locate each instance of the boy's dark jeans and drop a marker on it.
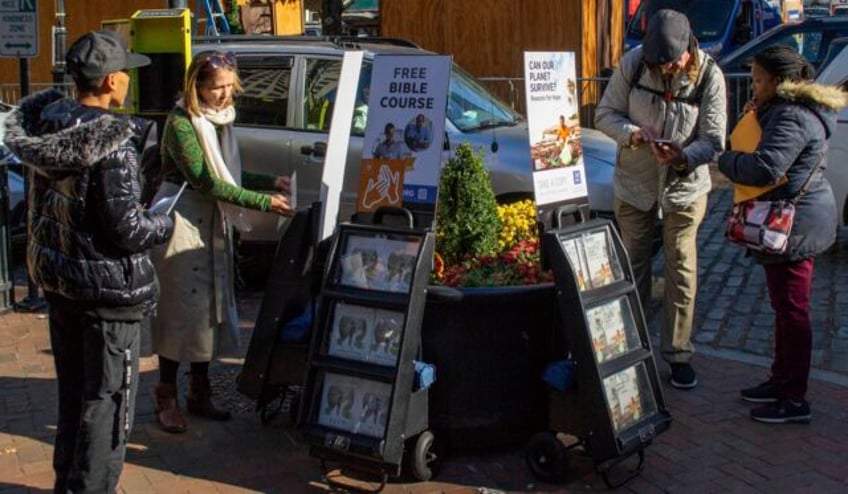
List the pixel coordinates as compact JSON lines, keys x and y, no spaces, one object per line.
{"x":96,"y":369}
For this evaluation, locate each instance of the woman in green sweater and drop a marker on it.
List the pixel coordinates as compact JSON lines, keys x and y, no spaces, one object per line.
{"x":197,"y":312}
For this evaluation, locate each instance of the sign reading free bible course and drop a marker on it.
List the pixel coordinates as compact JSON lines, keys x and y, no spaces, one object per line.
{"x":554,"y":127}
{"x":404,"y":133}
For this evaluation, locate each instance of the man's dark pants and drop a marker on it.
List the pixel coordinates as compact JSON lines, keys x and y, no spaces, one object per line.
{"x":96,"y":368}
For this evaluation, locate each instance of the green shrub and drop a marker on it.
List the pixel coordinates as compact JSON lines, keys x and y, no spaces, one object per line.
{"x":467,"y":224}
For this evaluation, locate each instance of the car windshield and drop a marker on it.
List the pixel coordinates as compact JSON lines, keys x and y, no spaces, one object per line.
{"x":708,"y":17}
{"x":471,"y":107}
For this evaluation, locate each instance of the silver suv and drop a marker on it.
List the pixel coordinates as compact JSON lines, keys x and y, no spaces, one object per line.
{"x":283,"y":120}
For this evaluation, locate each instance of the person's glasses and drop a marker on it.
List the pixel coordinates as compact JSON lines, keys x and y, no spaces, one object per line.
{"x":221,"y":60}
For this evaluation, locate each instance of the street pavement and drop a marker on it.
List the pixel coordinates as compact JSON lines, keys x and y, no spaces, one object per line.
{"x":712,"y":445}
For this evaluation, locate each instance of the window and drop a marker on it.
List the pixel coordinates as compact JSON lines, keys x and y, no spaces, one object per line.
{"x":360,"y":108}
{"x":322,"y":80}
{"x":264,"y":100}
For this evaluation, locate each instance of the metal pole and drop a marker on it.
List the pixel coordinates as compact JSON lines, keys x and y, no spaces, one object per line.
{"x":32,"y":302}
{"x":60,"y":35}
{"x":7,"y":285}
{"x":177,"y":4}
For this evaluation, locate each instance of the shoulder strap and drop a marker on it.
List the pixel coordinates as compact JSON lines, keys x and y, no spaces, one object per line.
{"x":694,"y":100}
{"x":640,"y":69}
{"x":699,"y":91}
{"x":806,"y":185}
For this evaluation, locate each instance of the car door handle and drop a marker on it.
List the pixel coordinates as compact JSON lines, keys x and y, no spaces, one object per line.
{"x":317,"y":149}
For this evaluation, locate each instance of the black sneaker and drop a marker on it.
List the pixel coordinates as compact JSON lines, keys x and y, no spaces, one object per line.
{"x":683,"y":376}
{"x":767,"y":392}
{"x":782,"y":412}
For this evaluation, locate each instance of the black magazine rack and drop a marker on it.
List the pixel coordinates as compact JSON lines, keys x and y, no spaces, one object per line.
{"x":614,"y":404}
{"x":359,"y":407}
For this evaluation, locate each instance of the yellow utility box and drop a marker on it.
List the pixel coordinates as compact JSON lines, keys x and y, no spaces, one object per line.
{"x":164,"y":35}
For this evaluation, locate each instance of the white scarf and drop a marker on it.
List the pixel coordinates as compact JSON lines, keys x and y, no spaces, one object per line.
{"x":222,"y":156}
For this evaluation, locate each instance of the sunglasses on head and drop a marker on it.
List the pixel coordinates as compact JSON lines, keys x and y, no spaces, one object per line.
{"x":220,"y":60}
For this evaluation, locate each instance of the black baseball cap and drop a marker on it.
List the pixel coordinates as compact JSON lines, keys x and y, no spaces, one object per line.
{"x":668,"y":35}
{"x":100,"y":53}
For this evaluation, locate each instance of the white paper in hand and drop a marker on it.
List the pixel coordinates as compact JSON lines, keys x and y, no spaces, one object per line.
{"x":166,"y":204}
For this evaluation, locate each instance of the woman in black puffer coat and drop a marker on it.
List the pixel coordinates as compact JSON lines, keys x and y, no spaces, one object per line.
{"x":797,"y":118}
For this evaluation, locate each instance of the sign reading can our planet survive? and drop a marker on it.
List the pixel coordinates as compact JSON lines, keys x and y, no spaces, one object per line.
{"x":556,"y":150}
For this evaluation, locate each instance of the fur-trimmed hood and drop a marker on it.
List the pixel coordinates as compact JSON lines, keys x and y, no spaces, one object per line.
{"x":830,"y":97}
{"x":56,"y":135}
{"x":823,"y":100}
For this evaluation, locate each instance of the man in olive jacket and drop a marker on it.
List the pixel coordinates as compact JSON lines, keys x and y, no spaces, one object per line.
{"x":667,"y":90}
{"x":88,"y":251}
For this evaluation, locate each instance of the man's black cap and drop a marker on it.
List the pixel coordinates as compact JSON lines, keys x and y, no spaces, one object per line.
{"x":666,"y":38}
{"x":100,"y":53}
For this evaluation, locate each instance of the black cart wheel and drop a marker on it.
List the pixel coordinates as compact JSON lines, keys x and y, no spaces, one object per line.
{"x":423,"y":461}
{"x":547,"y":457}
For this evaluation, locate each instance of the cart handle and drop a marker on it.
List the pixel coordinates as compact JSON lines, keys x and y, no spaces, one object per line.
{"x":567,"y":210}
{"x":393,"y":211}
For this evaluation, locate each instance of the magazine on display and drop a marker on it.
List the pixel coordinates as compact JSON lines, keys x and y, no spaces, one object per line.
{"x":600,"y":259}
{"x":629,"y":396}
{"x":613,"y":329}
{"x":355,"y":405}
{"x":365,"y":334}
{"x":574,"y":250}
{"x":381,"y":263}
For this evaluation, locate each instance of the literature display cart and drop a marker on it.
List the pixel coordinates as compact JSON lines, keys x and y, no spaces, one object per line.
{"x":273,"y":369}
{"x":359,"y":407}
{"x":615,"y":405}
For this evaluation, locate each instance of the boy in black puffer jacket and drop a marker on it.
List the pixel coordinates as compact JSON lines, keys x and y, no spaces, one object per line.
{"x":88,"y":251}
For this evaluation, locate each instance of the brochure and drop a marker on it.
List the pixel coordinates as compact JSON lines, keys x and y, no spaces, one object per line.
{"x":613,"y":329}
{"x":574,"y":250}
{"x":374,"y":262}
{"x":629,"y":396}
{"x":600,"y":259}
{"x":166,"y":204}
{"x":355,"y":405}
{"x":365,"y":334}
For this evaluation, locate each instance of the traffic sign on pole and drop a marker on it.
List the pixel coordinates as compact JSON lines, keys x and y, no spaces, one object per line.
{"x":19,"y":28}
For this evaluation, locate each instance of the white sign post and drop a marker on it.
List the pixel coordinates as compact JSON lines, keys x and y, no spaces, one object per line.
{"x":552,"y":117}
{"x":332,"y":177}
{"x":19,"y":28}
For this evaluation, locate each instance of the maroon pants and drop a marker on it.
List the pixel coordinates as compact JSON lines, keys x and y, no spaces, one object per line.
{"x":789,"y":286}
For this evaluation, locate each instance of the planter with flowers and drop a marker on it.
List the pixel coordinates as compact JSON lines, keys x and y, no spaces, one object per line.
{"x":490,"y":314}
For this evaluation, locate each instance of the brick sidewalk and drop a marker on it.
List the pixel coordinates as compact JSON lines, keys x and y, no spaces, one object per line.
{"x":712,"y":445}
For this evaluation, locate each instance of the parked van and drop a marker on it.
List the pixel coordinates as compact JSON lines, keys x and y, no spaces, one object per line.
{"x":284,"y":111}
{"x":720,"y":25}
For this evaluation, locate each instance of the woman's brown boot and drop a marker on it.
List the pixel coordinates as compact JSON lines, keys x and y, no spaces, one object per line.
{"x":168,"y":412}
{"x":199,"y":400}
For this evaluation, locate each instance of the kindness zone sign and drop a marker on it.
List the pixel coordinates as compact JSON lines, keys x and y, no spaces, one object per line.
{"x":554,"y":127}
{"x":404,"y":132}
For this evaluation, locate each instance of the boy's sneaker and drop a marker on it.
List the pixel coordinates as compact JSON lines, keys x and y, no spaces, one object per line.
{"x":683,"y":376}
{"x":783,"y":412}
{"x":767,"y":392}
